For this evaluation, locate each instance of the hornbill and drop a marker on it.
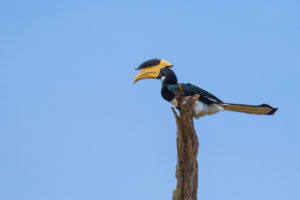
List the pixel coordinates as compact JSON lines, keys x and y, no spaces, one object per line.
{"x":207,"y":103}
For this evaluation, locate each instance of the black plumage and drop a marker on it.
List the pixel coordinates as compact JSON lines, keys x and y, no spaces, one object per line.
{"x":170,"y":88}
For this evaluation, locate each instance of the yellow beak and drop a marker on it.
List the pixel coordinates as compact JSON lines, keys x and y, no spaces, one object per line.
{"x":146,"y":73}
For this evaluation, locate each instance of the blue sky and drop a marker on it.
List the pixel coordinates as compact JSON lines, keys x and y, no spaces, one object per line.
{"x":73,"y":127}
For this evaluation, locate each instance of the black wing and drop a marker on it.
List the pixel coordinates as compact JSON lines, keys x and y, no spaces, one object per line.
{"x":190,"y":90}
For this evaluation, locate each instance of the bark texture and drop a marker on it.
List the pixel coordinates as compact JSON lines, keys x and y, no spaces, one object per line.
{"x":187,"y":149}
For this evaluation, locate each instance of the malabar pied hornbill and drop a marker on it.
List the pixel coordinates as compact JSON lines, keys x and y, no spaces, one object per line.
{"x":207,"y":103}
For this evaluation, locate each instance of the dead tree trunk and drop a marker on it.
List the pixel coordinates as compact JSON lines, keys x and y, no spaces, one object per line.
{"x":187,"y":149}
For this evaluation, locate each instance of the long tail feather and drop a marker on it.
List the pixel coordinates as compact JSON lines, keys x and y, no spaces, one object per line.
{"x":263,"y":109}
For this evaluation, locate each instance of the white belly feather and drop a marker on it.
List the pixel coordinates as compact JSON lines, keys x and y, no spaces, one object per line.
{"x":201,"y":109}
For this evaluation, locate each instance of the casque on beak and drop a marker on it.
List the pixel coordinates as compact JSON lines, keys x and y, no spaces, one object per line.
{"x":147,"y":73}
{"x":151,"y":69}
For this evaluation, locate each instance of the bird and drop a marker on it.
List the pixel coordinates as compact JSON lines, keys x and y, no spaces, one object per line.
{"x":207,"y":103}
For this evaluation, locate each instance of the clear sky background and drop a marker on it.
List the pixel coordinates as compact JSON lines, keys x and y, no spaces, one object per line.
{"x":73,"y":127}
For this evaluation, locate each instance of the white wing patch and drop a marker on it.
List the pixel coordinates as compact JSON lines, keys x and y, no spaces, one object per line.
{"x":211,"y":99}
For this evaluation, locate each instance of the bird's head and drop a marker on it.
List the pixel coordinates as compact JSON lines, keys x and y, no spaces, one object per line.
{"x":156,"y":69}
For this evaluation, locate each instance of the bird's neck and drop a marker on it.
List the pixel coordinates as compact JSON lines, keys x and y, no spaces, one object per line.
{"x":165,"y":93}
{"x":168,"y":80}
{"x":168,"y":76}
